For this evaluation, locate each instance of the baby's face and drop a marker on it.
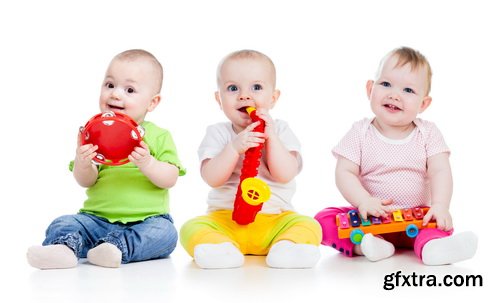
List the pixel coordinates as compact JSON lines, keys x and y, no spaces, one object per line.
{"x":245,"y":82}
{"x":398,"y":95}
{"x":129,"y":87}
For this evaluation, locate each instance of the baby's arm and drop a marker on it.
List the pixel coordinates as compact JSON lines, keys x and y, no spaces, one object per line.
{"x":441,"y":181}
{"x":349,"y":185}
{"x":282,"y":163}
{"x":84,"y":171}
{"x":161,"y":174}
{"x":217,"y":170}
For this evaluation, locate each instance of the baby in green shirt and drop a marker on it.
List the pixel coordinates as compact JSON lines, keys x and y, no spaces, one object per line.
{"x":126,"y":216}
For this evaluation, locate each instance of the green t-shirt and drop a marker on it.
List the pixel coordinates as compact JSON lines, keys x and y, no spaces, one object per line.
{"x":123,"y":194}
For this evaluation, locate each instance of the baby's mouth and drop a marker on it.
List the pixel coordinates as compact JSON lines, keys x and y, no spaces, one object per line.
{"x":115,"y":107}
{"x":392,"y":107}
{"x":243,"y":109}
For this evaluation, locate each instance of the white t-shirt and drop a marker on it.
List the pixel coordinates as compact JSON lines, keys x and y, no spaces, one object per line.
{"x":220,"y":198}
{"x":393,"y":169}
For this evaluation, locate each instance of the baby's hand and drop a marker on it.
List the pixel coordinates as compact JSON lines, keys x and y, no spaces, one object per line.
{"x":442,"y":216}
{"x":374,"y":207}
{"x":264,"y":115}
{"x":247,"y":138}
{"x":85,"y":153}
{"x":141,"y":155}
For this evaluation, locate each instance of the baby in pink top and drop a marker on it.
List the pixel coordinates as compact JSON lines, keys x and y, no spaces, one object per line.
{"x":403,"y":176}
{"x":395,"y":161}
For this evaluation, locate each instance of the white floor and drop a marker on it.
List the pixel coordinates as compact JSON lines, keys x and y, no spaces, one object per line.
{"x":178,"y":279}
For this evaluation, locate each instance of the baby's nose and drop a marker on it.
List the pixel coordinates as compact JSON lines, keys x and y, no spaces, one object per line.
{"x":244,"y":97}
{"x":394,"y":96}
{"x":116,"y":93}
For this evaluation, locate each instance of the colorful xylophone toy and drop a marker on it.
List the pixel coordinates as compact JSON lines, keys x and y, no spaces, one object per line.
{"x":252,"y":192}
{"x":352,"y":225}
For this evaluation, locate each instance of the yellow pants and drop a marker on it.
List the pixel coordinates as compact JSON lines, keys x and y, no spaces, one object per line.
{"x":253,"y":239}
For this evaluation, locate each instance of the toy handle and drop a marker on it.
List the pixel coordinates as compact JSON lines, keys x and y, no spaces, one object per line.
{"x":252,"y":112}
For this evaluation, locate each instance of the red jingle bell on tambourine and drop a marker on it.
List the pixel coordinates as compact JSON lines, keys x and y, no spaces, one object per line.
{"x":115,"y":134}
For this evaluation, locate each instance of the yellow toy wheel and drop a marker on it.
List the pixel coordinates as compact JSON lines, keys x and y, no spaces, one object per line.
{"x":255,"y":191}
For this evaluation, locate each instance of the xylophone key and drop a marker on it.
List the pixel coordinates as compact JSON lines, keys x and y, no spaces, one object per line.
{"x":418,"y":213}
{"x":386,"y":220}
{"x":354,"y":218}
{"x":398,"y":217}
{"x":407,"y":215}
{"x":343,"y":220}
{"x":365,"y":222}
{"x":376,"y":220}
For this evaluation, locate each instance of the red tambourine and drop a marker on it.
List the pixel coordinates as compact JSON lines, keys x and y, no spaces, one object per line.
{"x":115,"y":134}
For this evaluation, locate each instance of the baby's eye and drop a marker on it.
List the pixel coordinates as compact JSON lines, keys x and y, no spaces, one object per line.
{"x":232,"y":88}
{"x":385,"y":83}
{"x":408,"y":90}
{"x":109,"y":85}
{"x":130,"y":90}
{"x":257,"y":87}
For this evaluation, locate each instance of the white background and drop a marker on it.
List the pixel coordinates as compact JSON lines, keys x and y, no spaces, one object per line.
{"x":53,"y":55}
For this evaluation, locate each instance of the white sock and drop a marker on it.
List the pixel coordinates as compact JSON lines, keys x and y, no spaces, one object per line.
{"x":287,"y":254}
{"x":376,"y":249}
{"x":450,"y":249}
{"x":222,"y":255}
{"x":105,"y":255}
{"x":55,"y":256}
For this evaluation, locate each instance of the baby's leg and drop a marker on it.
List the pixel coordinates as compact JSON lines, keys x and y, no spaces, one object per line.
{"x":105,"y":255}
{"x":220,"y":255}
{"x":153,"y":238}
{"x":327,"y":220}
{"x":207,"y":239}
{"x":67,"y":238}
{"x":287,"y":254}
{"x":57,"y":256}
{"x":437,"y":247}
{"x":374,"y":248}
{"x":296,"y":243}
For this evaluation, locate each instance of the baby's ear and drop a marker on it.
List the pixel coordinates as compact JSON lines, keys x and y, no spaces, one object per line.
{"x":275,"y":97}
{"x":217,"y":98}
{"x":369,"y":87}
{"x":154,"y":103}
{"x":425,"y":103}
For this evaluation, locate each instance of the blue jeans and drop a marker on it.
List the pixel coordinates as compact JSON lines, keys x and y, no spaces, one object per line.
{"x":155,"y":237}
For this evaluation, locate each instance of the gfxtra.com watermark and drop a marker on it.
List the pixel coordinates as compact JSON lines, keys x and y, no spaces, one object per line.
{"x":398,"y":279}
